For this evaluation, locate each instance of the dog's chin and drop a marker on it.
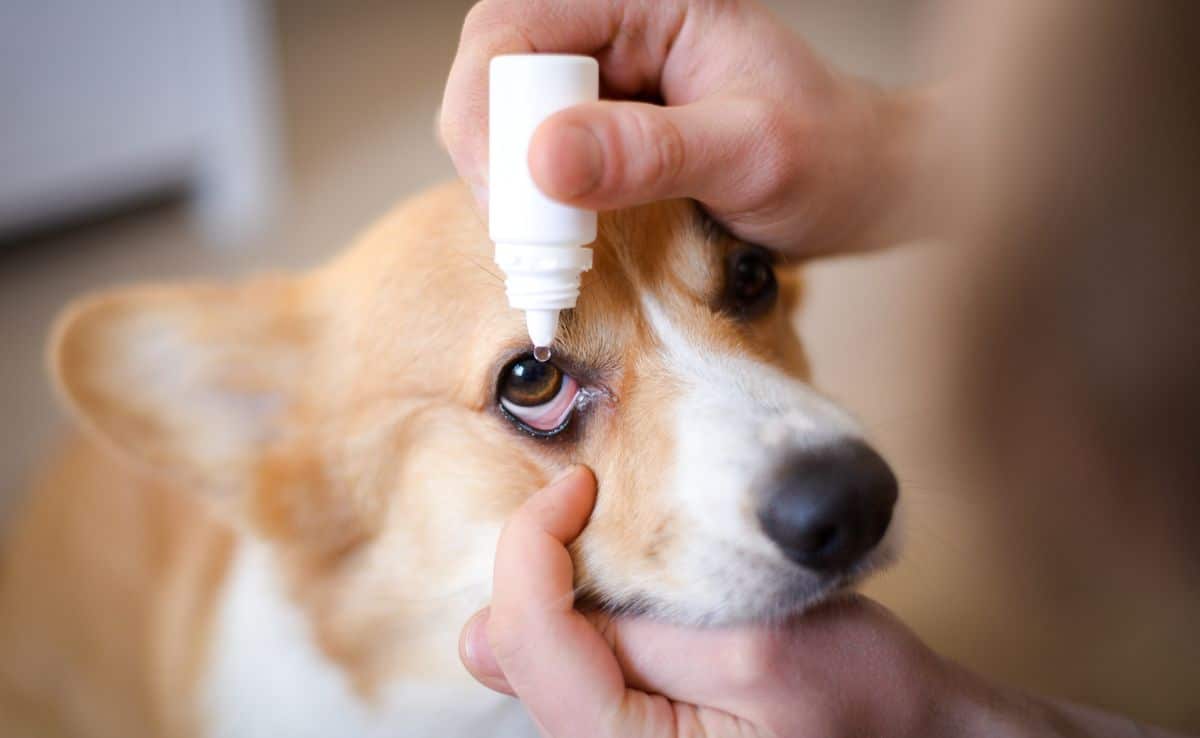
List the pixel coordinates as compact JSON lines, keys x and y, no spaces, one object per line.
{"x":792,"y":591}
{"x":790,"y":603}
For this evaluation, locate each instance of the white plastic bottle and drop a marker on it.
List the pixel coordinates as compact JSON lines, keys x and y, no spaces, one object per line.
{"x":539,"y":242}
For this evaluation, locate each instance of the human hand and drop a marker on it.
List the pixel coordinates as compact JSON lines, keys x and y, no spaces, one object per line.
{"x":848,"y":668}
{"x":775,"y":144}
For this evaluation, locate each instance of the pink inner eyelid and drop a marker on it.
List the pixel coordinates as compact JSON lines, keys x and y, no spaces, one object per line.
{"x":550,"y":415}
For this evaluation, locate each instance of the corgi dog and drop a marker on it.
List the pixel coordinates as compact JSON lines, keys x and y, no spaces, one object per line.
{"x":285,"y":495}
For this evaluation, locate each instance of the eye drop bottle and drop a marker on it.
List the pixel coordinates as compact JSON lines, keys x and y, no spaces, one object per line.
{"x":539,"y":242}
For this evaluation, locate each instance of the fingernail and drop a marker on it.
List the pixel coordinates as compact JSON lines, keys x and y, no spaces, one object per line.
{"x":572,"y":164}
{"x":477,"y":652}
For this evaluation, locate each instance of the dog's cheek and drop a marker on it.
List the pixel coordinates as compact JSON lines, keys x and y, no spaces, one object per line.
{"x":625,"y":557}
{"x":293,"y":500}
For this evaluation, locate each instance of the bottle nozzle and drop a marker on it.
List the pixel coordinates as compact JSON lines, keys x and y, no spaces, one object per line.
{"x":542,"y":325}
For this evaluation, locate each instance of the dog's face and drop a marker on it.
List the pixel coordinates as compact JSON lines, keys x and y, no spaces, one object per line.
{"x":378,"y":419}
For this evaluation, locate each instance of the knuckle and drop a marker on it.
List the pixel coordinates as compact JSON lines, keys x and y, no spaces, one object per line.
{"x":660,"y":149}
{"x":447,"y":129}
{"x":771,"y":117}
{"x":671,"y":150}
{"x":454,"y":137}
{"x":779,"y":153}
{"x":479,"y":17}
{"x":457,"y":139}
{"x":505,"y":637}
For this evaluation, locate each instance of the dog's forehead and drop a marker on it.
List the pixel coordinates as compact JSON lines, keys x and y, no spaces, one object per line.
{"x":661,"y":252}
{"x":661,"y":247}
{"x":422,"y":284}
{"x":437,"y":246}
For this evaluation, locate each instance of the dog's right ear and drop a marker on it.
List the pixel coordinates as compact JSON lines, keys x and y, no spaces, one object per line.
{"x":196,"y":383}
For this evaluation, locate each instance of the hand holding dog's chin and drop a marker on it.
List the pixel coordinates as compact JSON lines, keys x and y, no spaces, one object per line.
{"x":847,"y":668}
{"x":778,"y":147}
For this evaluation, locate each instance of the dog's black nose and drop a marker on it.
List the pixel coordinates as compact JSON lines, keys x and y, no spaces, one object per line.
{"x":826,"y":507}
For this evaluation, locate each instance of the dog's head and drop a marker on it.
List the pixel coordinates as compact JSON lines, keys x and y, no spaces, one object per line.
{"x":376,"y":420}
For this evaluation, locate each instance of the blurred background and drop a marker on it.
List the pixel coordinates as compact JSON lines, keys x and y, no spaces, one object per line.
{"x":142,"y":140}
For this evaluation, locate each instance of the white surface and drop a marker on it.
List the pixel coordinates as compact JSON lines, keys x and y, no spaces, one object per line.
{"x":108,"y":101}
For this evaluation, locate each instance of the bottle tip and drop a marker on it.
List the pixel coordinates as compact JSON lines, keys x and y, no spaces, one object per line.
{"x":543,"y":325}
{"x":541,"y":353}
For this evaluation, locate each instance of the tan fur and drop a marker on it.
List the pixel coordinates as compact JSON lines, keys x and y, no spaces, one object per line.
{"x":346,"y":417}
{"x":106,"y":591}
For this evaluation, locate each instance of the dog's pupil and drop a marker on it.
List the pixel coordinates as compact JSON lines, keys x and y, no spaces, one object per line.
{"x":750,"y":285}
{"x":752,"y":278}
{"x":531,"y":382}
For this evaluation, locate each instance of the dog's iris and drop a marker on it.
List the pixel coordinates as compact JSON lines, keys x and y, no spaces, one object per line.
{"x":529,"y":382}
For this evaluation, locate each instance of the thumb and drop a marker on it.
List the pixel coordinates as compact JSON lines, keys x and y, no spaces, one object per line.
{"x":608,"y":155}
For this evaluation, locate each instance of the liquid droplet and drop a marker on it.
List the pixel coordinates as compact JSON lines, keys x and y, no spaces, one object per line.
{"x":541,"y":353}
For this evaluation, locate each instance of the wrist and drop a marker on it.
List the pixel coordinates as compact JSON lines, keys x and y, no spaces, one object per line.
{"x":970,"y":706}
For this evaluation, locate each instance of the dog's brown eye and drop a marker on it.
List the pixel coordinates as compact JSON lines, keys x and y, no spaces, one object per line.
{"x":751,"y":286}
{"x":537,"y":396}
{"x":529,"y":382}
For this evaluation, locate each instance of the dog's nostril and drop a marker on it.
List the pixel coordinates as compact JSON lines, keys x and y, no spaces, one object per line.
{"x":828,"y":507}
{"x":820,"y":539}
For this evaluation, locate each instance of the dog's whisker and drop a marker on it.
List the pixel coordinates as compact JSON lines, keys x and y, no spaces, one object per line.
{"x":499,"y":279}
{"x":479,"y":265}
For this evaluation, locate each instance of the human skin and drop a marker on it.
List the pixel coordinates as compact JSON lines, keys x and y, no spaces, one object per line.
{"x":776,"y":145}
{"x":849,"y":668}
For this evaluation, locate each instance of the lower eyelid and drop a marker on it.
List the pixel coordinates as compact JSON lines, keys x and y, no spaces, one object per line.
{"x":551,"y":414}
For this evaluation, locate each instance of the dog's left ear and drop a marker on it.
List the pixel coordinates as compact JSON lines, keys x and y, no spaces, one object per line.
{"x":196,"y":382}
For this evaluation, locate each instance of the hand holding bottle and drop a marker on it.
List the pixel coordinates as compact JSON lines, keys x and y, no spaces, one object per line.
{"x":776,"y":145}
